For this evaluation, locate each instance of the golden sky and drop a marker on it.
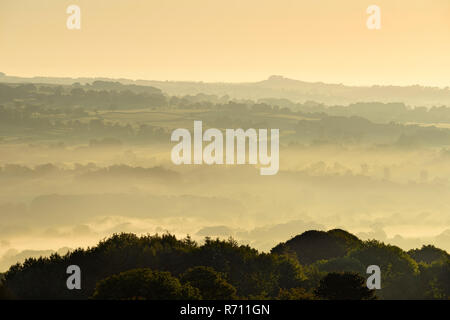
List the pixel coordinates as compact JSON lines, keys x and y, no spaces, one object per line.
{"x":230,"y":40}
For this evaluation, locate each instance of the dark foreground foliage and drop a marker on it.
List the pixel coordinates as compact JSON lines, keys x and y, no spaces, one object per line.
{"x":313,"y":265}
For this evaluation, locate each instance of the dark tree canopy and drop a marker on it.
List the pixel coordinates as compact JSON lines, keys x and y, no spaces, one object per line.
{"x":344,"y":286}
{"x":145,"y":284}
{"x":428,"y":254}
{"x":126,"y":266}
{"x":211,"y":284}
{"x":312,"y":246}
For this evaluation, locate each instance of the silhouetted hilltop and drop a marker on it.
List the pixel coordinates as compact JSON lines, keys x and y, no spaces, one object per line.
{"x":126,"y":266}
{"x":312,"y":246}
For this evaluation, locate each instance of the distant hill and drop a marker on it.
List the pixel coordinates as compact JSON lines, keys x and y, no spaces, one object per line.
{"x":278,"y":87}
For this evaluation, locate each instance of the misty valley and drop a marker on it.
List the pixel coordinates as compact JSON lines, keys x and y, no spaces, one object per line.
{"x":81,"y":162}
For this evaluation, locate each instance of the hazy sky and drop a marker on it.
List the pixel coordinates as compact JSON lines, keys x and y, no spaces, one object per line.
{"x":232,"y":40}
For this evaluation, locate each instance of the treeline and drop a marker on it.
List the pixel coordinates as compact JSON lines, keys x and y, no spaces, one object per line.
{"x":72,"y":112}
{"x":39,"y":121}
{"x":107,"y":95}
{"x":316,"y":128}
{"x":313,"y":265}
{"x":354,"y":130}
{"x":99,"y":95}
{"x":85,"y":171}
{"x":374,"y":111}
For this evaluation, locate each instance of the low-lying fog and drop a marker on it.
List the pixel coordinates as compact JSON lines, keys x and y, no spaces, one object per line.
{"x":60,"y":197}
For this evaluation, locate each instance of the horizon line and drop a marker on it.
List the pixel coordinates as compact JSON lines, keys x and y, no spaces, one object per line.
{"x":281,"y":77}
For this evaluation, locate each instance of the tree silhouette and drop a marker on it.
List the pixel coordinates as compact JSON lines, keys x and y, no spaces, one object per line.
{"x":344,"y":286}
{"x":211,"y":284}
{"x":144,"y":284}
{"x":221,"y":269}
{"x":312,"y":246}
{"x":428,"y":254}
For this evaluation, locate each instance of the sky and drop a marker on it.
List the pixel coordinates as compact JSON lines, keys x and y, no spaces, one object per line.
{"x":230,"y":41}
